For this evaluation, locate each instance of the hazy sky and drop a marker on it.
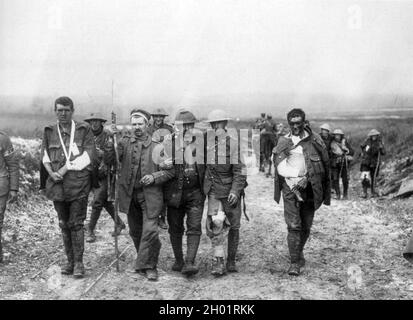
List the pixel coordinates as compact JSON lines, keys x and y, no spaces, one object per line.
{"x":181,"y":51}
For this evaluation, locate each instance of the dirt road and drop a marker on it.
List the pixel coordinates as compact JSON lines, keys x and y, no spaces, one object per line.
{"x":354,"y":252}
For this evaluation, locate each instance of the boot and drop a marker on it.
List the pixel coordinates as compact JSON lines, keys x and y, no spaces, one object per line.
{"x":67,"y":242}
{"x":301,"y":262}
{"x":233,"y":240}
{"x":337,"y":190}
{"x":152,"y":274}
{"x":118,"y":229}
{"x":345,"y":191}
{"x":218,"y":267}
{"x":176,"y":242}
{"x":91,"y":237}
{"x":78,"y":249}
{"x":136,"y":243}
{"x":294,"y":269}
{"x":294,"y":247}
{"x":192,"y":248}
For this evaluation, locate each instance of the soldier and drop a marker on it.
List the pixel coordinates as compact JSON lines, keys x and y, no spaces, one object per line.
{"x":100,"y":195}
{"x":9,"y":178}
{"x":225,"y":180}
{"x":259,"y":124}
{"x":68,"y":152}
{"x":159,"y":130}
{"x":301,"y":164}
{"x":268,"y":140}
{"x":184,"y":195}
{"x":140,"y":190}
{"x":341,"y":157}
{"x":325,"y":134}
{"x":372,"y":148}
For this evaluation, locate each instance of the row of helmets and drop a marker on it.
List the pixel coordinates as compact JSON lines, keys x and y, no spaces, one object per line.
{"x":183,"y":116}
{"x":327,"y":127}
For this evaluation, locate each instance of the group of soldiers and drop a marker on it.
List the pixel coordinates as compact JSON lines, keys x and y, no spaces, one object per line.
{"x":156,"y":182}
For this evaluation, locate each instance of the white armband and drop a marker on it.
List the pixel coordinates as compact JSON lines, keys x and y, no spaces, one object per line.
{"x":79,"y":163}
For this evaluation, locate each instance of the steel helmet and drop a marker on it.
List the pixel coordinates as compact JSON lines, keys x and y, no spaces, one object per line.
{"x":159,"y":112}
{"x":338,"y":131}
{"x":217,"y":115}
{"x":373,"y":132}
{"x":95,"y":116}
{"x":325,"y":126}
{"x":185,"y":116}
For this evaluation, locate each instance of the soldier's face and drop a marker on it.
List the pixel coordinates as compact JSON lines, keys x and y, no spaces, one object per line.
{"x":188,"y":126}
{"x":219,"y":125}
{"x":96,"y":125}
{"x":324,"y":133}
{"x":296,"y":125}
{"x":64,"y":113}
{"x":158,"y":120}
{"x":139,"y":126}
{"x":337,"y":137}
{"x":374,"y":138}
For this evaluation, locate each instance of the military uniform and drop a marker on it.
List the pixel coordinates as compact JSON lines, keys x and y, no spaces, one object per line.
{"x":299,"y":215}
{"x":142,"y":204}
{"x":184,"y":196}
{"x":158,"y":134}
{"x":69,"y":196}
{"x":100,"y":198}
{"x":340,"y":160}
{"x":225,"y":173}
{"x":268,"y":141}
{"x":9,"y":177}
{"x":371,"y":150}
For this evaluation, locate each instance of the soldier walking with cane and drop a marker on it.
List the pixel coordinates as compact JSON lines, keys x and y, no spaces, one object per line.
{"x":101,"y":199}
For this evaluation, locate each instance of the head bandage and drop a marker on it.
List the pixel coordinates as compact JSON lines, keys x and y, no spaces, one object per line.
{"x":138,"y":114}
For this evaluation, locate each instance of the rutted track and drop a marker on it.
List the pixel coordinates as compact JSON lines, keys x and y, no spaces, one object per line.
{"x":346,"y":235}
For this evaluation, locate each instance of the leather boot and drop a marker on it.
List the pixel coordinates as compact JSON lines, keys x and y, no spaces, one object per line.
{"x":136,"y":243}
{"x":176,"y":242}
{"x":345,"y":191}
{"x":119,"y":227}
{"x":67,"y":242}
{"x":233,"y":240}
{"x":91,"y":237}
{"x":78,"y":243}
{"x":337,"y":190}
{"x":192,"y":248}
{"x":294,"y":244}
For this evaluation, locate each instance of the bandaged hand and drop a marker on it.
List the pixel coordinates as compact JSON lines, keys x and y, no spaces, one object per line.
{"x":301,"y":185}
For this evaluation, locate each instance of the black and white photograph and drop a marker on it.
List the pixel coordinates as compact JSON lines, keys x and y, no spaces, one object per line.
{"x":236,"y":151}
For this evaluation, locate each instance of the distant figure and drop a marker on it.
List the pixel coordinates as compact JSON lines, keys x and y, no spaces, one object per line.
{"x":341,"y":157}
{"x":301,"y":164}
{"x":9,"y":178}
{"x":372,"y":149}
{"x":268,"y":142}
{"x":158,"y":131}
{"x":259,"y":124}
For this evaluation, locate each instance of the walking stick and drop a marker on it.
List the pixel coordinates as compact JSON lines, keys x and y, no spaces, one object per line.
{"x":116,"y":176}
{"x":376,"y":171}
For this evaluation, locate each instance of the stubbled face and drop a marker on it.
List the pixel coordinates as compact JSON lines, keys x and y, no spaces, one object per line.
{"x":324,"y":133}
{"x":337,"y":137}
{"x":96,"y":125}
{"x":140,"y":126}
{"x":296,"y":125}
{"x":63,"y":114}
{"x":158,"y":120}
